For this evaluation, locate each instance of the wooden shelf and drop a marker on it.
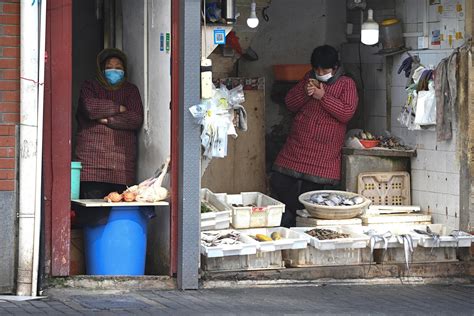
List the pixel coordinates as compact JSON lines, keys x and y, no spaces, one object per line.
{"x":102,"y":203}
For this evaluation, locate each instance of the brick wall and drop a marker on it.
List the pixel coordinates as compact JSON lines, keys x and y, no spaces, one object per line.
{"x":9,"y":90}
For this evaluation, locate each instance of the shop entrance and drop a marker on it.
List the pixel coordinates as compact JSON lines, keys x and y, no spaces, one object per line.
{"x":135,"y":27}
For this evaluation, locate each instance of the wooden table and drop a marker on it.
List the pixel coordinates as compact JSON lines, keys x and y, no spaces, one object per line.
{"x":102,"y":203}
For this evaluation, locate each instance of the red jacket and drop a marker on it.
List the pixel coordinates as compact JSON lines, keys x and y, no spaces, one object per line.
{"x":108,"y":152}
{"x":314,"y":144}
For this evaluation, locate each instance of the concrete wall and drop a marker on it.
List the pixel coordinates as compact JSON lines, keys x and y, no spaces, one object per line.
{"x":295,"y":28}
{"x":154,"y":143}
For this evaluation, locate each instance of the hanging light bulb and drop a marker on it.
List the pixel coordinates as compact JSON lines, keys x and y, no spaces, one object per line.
{"x":252,"y":21}
{"x":369,"y":34}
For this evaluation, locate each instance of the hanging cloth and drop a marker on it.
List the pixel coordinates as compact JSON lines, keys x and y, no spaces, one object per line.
{"x":446,"y":96}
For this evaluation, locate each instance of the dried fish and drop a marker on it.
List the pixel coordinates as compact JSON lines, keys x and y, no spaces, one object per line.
{"x":326,"y":234}
{"x":213,"y":239}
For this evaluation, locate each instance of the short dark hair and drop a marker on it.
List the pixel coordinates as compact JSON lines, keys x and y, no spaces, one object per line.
{"x":325,"y":57}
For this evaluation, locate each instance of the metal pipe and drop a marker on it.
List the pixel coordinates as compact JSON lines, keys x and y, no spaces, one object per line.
{"x":33,"y":18}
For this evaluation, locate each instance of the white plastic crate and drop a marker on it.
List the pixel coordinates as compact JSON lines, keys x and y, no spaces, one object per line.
{"x":258,"y":261}
{"x":214,"y":220}
{"x":444,"y":239}
{"x":356,"y":240}
{"x":229,"y":250}
{"x":290,"y":239}
{"x":391,"y":231}
{"x":419,"y":255}
{"x":312,"y":257}
{"x":266,"y":212}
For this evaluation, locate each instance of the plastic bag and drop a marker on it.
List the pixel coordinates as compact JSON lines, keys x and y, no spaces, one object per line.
{"x":426,"y":107}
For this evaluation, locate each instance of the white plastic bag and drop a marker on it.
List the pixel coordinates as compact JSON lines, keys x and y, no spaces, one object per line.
{"x":426,"y":107}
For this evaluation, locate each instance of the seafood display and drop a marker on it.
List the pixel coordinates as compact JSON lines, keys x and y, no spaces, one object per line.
{"x":262,"y":237}
{"x":332,"y":199}
{"x":213,"y":239}
{"x":326,"y":234}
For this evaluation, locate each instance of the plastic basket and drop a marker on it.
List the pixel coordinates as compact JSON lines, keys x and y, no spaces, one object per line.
{"x":255,"y":210}
{"x":219,"y":219}
{"x":385,"y":188}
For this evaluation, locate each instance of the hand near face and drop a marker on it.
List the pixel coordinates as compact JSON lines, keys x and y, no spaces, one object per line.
{"x":315,"y":89}
{"x":318,"y":92}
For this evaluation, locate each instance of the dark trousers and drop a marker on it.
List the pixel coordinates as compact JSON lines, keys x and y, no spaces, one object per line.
{"x":95,"y":190}
{"x":287,"y":189}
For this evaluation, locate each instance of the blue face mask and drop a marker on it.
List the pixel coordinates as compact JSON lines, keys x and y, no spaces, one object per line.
{"x":114,"y":76}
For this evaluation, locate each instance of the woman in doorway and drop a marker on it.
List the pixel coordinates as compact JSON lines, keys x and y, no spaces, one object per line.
{"x":323,"y":102}
{"x":109,"y":114}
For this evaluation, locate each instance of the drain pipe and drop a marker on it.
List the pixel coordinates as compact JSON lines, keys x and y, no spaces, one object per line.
{"x":33,"y":18}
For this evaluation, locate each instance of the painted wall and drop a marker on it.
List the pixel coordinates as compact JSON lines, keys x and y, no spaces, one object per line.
{"x":152,"y":76}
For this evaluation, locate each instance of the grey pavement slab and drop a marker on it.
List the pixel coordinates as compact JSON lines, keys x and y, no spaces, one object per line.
{"x":257,"y":300}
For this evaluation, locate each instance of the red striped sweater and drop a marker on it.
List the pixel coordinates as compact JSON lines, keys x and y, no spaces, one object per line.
{"x":108,"y":152}
{"x":314,"y":144}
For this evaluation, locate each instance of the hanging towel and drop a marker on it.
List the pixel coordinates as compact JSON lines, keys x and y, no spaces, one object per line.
{"x":443,"y":124}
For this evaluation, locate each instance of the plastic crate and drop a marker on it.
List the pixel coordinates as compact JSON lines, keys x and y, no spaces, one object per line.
{"x":419,"y":255}
{"x":385,"y":188}
{"x":290,"y":239}
{"x":217,"y":220}
{"x":355,"y":240}
{"x":312,"y":257}
{"x":265,"y":212}
{"x":316,"y":222}
{"x":241,"y":249}
{"x":444,"y":239}
{"x":394,"y":230}
{"x":258,"y":261}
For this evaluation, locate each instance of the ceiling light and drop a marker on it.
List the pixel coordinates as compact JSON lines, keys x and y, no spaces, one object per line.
{"x":369,"y":34}
{"x":252,"y":21}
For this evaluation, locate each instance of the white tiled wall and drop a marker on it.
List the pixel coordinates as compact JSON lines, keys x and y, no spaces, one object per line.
{"x":374,"y":82}
{"x":436,"y":170}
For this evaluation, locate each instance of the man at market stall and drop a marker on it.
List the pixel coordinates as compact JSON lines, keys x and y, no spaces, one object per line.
{"x":323,"y":103}
{"x":109,"y":114}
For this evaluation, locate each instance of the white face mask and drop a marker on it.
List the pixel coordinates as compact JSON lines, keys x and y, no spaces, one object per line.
{"x":324,"y":78}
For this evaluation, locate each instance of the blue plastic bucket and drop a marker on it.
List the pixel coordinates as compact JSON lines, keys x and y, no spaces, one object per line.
{"x":118,"y":247}
{"x":76,"y":167}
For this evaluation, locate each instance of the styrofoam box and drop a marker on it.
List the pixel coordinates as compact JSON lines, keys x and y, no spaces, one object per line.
{"x":444,"y":239}
{"x":266,"y":213}
{"x":356,"y":240}
{"x":290,"y":239}
{"x":258,"y":261}
{"x":229,"y":250}
{"x":214,"y":220}
{"x":392,"y":241}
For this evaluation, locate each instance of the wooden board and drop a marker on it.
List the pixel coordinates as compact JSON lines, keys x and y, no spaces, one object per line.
{"x":243,"y":170}
{"x":392,"y":209}
{"x":312,"y":222}
{"x":102,"y":203}
{"x":394,"y":219}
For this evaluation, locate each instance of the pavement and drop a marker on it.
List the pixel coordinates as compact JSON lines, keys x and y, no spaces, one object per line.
{"x":257,"y":300}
